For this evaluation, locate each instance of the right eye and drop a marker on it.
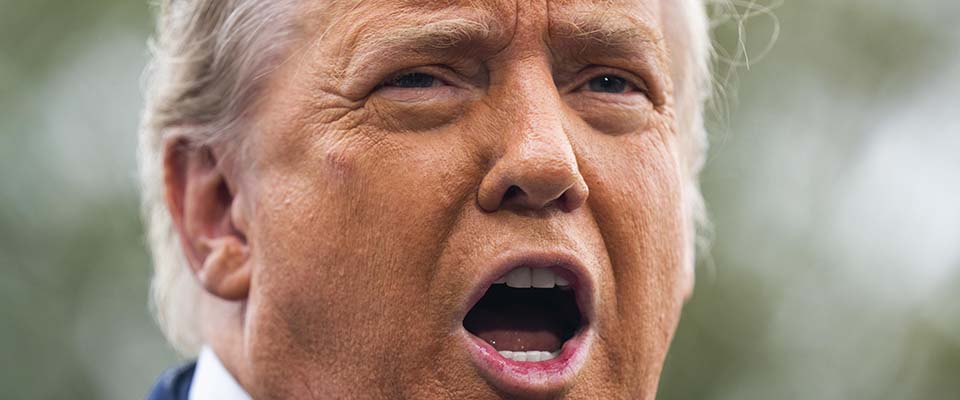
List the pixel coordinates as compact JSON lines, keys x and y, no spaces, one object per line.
{"x":412,"y":80}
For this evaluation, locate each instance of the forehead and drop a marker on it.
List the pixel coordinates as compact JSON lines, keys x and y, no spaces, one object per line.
{"x":339,"y":17}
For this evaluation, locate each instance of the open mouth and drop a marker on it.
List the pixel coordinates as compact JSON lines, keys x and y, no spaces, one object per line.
{"x":527,"y":325}
{"x":528,"y":314}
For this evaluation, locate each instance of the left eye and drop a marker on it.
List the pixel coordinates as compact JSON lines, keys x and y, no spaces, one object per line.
{"x":609,"y":84}
{"x":412,"y":80}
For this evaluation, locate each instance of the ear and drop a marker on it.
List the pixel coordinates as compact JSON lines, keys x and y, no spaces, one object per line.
{"x":209,"y":218}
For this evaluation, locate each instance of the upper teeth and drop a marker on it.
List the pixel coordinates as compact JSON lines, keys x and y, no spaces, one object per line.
{"x":537,"y":277}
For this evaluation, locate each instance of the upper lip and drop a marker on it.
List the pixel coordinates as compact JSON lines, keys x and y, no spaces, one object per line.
{"x":583,"y":284}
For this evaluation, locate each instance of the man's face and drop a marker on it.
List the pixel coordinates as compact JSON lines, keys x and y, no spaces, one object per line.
{"x":409,"y":154}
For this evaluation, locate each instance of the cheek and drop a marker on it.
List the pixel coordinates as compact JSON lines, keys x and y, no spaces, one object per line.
{"x":635,"y":195}
{"x":350,"y":217}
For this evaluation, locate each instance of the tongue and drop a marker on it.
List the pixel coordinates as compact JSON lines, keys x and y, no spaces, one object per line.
{"x":520,"y":327}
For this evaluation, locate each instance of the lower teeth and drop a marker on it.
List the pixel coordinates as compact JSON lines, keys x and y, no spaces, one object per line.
{"x":529,"y":356}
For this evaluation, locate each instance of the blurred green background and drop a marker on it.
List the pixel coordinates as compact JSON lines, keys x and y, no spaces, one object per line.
{"x":833,"y":182}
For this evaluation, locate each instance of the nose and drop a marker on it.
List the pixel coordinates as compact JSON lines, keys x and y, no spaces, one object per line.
{"x":538,"y":171}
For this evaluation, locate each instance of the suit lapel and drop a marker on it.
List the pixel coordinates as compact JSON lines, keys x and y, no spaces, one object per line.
{"x":174,"y":384}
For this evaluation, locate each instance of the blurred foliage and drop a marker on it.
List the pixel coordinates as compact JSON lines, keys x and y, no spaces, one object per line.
{"x":73,"y":297}
{"x":833,"y":274}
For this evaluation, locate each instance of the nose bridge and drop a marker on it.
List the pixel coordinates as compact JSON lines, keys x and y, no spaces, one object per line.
{"x":540,"y":136}
{"x":537,"y":166}
{"x":538,"y":133}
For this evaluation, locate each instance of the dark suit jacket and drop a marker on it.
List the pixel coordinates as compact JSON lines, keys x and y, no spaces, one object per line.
{"x":174,"y":384}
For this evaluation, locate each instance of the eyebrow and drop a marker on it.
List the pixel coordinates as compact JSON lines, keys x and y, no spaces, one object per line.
{"x":605,"y":32}
{"x":475,"y":34}
{"x":440,"y":35}
{"x":589,"y":30}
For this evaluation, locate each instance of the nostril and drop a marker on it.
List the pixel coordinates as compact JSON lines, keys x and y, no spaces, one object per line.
{"x":512,"y":193}
{"x":515,"y":197}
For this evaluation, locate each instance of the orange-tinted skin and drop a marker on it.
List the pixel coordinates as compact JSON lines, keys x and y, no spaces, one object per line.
{"x":348,"y":231}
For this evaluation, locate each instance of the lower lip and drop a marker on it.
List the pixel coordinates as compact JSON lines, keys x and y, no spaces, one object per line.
{"x":530,"y":378}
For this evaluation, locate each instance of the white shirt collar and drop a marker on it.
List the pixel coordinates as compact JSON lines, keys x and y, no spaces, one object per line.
{"x":211,"y":380}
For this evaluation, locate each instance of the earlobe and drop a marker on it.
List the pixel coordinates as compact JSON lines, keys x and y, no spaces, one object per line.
{"x":225,"y":272}
{"x":208,"y":217}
